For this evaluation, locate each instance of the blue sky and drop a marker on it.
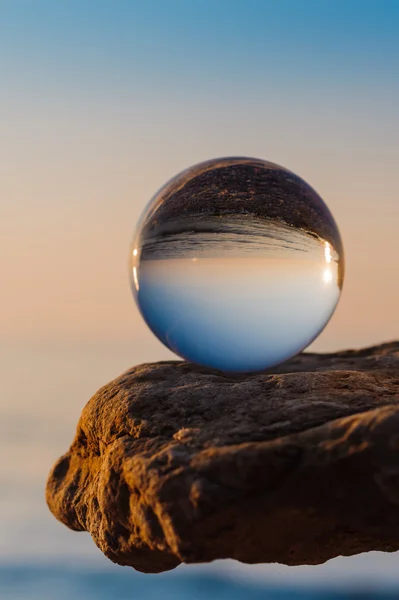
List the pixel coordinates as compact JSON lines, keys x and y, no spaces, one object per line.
{"x":199,"y":42}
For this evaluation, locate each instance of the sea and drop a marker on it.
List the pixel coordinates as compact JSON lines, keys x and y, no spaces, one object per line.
{"x":230,"y":236}
{"x":44,"y":386}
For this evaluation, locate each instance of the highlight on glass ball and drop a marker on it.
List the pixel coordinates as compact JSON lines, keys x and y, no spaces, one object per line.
{"x":237,"y":264}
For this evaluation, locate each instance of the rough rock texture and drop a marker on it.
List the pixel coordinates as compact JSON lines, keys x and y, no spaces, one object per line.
{"x":175,"y":463}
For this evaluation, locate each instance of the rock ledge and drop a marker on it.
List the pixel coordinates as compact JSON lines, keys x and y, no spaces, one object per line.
{"x":175,"y":463}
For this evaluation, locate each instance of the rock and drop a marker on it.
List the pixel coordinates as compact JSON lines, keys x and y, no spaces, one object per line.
{"x":175,"y":463}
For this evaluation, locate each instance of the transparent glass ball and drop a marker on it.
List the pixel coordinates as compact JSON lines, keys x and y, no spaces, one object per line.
{"x":237,"y":264}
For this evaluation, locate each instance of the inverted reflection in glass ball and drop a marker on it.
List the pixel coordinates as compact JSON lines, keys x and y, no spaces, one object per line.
{"x":237,"y":264}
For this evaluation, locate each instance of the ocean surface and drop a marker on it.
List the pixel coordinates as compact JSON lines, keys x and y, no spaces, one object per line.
{"x":18,"y":583}
{"x":44,"y":387}
{"x":230,"y":236}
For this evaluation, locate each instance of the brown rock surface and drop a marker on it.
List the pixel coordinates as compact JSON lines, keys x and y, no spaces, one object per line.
{"x":176,"y":463}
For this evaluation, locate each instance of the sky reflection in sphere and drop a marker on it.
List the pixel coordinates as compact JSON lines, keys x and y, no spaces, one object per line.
{"x":237,"y":264}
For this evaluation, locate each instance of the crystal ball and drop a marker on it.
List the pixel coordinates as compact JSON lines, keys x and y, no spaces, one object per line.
{"x":236,"y":264}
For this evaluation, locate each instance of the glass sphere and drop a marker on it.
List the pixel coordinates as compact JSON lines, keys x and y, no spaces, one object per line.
{"x":237,"y":264}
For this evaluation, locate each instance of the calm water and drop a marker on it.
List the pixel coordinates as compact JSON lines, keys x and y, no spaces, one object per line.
{"x":229,"y":235}
{"x":70,"y":583}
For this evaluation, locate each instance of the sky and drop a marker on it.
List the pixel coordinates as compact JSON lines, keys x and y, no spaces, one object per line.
{"x":101,"y":102}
